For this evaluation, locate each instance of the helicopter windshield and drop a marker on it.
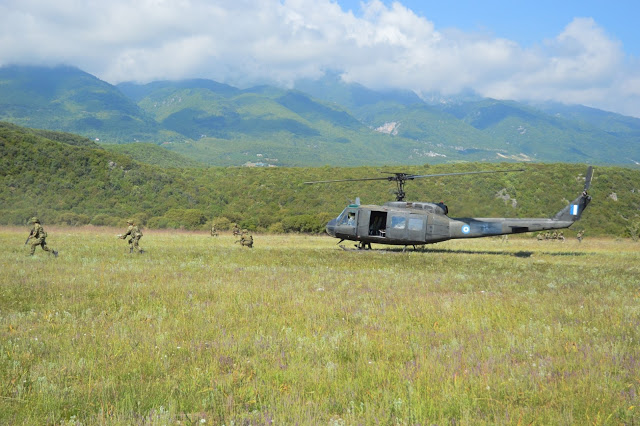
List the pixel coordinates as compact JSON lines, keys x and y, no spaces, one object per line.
{"x":347,"y":217}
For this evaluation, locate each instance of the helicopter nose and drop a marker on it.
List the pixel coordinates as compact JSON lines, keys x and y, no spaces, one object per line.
{"x":331,"y":227}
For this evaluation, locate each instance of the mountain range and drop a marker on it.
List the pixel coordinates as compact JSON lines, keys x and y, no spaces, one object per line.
{"x":321,"y":122}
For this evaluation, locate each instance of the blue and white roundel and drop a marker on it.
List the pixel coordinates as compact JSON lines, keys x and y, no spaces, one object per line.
{"x":466,"y":229}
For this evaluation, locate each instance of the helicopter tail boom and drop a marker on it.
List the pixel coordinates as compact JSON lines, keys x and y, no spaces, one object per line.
{"x":573,"y":211}
{"x":482,"y":227}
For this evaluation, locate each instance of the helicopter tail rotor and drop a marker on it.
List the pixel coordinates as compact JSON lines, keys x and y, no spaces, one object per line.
{"x":587,"y":179}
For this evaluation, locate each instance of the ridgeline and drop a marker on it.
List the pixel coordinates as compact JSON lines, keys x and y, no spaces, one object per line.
{"x":67,"y":179}
{"x":326,"y":121}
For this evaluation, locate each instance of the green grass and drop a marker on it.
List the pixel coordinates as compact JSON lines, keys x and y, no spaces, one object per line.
{"x":297,"y":331}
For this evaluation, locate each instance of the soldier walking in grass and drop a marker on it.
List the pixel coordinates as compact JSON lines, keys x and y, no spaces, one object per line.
{"x":236,"y":230}
{"x":214,"y":231}
{"x":39,"y":237}
{"x":580,"y":235}
{"x":135,"y":234}
{"x":246,"y":239}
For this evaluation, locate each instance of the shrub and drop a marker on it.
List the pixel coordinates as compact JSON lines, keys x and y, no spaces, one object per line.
{"x":73,"y":219}
{"x":106,"y":220}
{"x":15,"y":217}
{"x":158,"y":222}
{"x":221,"y":223}
{"x":303,"y":223}
{"x":634,"y":231}
{"x":179,"y":218}
{"x":140,"y":218}
{"x":276,"y":228}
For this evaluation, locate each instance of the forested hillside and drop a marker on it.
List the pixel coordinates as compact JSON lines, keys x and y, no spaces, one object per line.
{"x":66,"y":98}
{"x":65,"y":179}
{"x":149,"y":153}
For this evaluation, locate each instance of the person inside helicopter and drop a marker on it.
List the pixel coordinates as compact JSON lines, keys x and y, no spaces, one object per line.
{"x":347,"y":218}
{"x":351,"y":220}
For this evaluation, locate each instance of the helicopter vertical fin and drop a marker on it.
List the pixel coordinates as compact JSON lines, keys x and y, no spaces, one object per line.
{"x":574,"y":210}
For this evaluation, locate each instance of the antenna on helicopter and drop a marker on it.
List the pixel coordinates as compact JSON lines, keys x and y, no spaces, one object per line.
{"x":401,"y":178}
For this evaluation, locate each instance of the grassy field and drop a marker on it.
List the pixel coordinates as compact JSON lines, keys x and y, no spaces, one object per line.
{"x":297,"y":331}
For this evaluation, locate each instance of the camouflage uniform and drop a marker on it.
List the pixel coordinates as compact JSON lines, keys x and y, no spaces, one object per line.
{"x":236,"y":230}
{"x":214,"y":231}
{"x":39,"y":238}
{"x":580,"y":235}
{"x":134,"y":233}
{"x":246,"y":239}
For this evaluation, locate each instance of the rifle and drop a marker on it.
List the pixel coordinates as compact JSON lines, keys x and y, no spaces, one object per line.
{"x":28,"y":238}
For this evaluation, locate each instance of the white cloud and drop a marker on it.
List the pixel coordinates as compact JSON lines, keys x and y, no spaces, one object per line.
{"x":252,"y":41}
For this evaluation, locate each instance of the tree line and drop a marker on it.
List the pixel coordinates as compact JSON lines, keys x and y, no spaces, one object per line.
{"x":67,"y":180}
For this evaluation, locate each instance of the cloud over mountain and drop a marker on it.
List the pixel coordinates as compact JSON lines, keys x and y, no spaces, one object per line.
{"x":249,"y":41}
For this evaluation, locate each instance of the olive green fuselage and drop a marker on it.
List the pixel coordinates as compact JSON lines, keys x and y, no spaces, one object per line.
{"x":415,"y":223}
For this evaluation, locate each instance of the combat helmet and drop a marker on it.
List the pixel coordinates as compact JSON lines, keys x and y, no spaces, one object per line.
{"x":34,"y":220}
{"x":130,"y":222}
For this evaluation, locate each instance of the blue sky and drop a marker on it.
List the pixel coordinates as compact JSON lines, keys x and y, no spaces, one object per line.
{"x":575,"y":52}
{"x":526,"y":22}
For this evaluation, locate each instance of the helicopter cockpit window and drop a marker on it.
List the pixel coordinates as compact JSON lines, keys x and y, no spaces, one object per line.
{"x":347,"y":218}
{"x":398,"y":222}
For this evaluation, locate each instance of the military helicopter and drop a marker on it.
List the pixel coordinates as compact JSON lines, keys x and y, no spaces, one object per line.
{"x":417,"y":223}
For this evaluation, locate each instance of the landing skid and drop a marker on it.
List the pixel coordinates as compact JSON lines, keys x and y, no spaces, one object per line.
{"x":367,"y":246}
{"x":359,"y":246}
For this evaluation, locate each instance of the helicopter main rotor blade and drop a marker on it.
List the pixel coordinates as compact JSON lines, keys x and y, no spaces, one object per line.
{"x":587,"y":179}
{"x":350,"y":180}
{"x":401,"y":178}
{"x":463,"y":173}
{"x":404,"y":176}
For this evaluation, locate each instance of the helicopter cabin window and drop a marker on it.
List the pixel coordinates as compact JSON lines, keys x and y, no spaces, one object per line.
{"x":415,"y":223}
{"x":398,"y":222}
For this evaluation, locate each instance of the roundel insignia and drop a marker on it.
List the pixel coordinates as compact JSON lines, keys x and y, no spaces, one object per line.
{"x":466,"y":229}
